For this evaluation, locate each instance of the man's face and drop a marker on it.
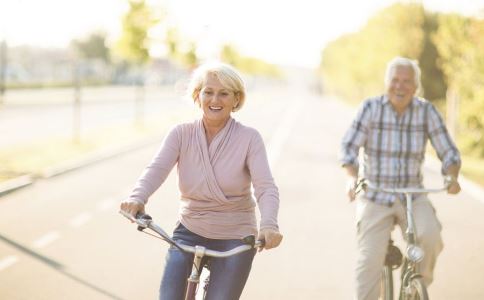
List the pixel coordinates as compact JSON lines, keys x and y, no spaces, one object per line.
{"x":402,"y":88}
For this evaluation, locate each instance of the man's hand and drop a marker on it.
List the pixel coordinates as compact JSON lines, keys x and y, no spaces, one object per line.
{"x":271,"y":237}
{"x":453,"y":186}
{"x":351,"y":188}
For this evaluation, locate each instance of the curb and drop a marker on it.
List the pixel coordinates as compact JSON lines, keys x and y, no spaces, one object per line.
{"x":95,"y":157}
{"x":16,"y":183}
{"x":26,"y":180}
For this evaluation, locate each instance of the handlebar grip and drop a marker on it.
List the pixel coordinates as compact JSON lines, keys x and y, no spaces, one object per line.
{"x":142,"y":216}
{"x":250,"y":240}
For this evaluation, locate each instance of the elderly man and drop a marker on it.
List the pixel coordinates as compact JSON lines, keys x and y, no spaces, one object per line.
{"x":393,"y":130}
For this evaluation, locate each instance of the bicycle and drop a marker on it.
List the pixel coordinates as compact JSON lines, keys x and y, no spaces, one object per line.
{"x":200,"y":253}
{"x":412,"y":286}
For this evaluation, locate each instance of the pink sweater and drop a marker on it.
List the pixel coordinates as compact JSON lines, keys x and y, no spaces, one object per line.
{"x":215,"y":182}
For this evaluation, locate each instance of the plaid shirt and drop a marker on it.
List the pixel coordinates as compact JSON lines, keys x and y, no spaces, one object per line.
{"x":394,"y":146}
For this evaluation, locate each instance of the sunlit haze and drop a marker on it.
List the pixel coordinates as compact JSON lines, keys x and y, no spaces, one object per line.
{"x":285,"y":32}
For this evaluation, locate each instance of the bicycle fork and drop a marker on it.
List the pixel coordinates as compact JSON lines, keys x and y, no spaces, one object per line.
{"x":194,"y":279}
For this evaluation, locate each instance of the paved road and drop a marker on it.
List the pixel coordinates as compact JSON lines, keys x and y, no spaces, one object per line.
{"x":62,"y":238}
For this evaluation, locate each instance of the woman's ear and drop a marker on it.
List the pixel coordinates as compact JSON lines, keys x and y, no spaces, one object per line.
{"x":196,"y":98}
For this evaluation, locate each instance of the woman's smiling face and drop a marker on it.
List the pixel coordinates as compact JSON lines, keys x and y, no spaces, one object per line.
{"x":216,"y":100}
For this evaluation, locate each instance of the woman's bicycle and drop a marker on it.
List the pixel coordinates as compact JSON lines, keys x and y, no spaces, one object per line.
{"x":200,"y":253}
{"x":412,"y":286}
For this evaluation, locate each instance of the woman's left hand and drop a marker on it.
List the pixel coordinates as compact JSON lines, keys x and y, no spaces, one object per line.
{"x":271,"y":237}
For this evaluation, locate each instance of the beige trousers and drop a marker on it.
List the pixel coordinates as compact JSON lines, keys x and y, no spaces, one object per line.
{"x":375,"y":222}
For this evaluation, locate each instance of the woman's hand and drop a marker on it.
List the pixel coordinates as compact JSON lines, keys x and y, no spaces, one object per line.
{"x":271,"y":237}
{"x":132,"y":207}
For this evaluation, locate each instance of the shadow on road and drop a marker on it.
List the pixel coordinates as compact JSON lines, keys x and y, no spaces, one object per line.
{"x":57,"y":267}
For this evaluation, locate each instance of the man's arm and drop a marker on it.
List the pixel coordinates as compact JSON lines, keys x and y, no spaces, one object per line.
{"x":354,"y":138}
{"x":451,"y":178}
{"x":445,"y":148}
{"x":352,"y":172}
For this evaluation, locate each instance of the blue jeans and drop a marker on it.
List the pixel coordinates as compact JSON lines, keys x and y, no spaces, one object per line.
{"x":227,"y":275}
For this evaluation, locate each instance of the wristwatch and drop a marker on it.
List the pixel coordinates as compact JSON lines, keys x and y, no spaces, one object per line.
{"x":448,"y":179}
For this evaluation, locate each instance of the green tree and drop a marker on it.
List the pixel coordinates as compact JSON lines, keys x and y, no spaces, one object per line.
{"x":183,"y":52}
{"x":250,"y":65}
{"x":353,"y":65}
{"x":461,"y":50}
{"x":134,"y":43}
{"x":92,"y":47}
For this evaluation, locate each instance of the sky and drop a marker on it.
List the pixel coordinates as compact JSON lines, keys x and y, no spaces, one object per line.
{"x":282,"y":32}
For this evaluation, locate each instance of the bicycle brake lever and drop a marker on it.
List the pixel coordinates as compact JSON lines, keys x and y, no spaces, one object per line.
{"x":144,"y":219}
{"x":249,"y":240}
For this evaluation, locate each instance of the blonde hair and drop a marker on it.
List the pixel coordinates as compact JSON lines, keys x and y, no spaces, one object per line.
{"x":226,"y":74}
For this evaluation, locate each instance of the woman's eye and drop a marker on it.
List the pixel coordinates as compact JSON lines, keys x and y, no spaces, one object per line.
{"x":207,"y":93}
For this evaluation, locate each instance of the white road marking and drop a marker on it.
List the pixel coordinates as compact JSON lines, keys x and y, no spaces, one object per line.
{"x":46,"y":239}
{"x":80,"y":219}
{"x":7,"y":262}
{"x":106,"y":204}
{"x":274,"y":148}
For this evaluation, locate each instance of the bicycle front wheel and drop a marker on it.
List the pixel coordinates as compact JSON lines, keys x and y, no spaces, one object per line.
{"x":386,"y":291}
{"x":416,"y":290}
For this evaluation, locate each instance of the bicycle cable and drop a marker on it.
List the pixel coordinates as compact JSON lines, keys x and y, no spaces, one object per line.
{"x":174,"y":245}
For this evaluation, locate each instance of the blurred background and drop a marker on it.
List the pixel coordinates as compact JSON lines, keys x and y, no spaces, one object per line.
{"x":98,"y":81}
{"x":51,"y":51}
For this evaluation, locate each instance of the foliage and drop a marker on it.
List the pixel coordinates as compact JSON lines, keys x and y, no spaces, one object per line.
{"x":353,"y":65}
{"x":92,"y":47}
{"x":249,"y":65}
{"x":461,"y":49}
{"x":183,"y":52}
{"x":133,"y":45}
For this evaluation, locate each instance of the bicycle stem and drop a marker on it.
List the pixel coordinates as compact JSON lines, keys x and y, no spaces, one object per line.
{"x":410,"y":223}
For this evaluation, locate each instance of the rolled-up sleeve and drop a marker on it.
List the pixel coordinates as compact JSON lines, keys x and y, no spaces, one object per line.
{"x":441,"y":140}
{"x":355,"y":137}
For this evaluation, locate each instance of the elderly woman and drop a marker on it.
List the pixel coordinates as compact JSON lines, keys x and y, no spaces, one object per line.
{"x":218,"y":159}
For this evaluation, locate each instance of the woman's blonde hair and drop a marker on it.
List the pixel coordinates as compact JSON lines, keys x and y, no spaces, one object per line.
{"x":226,"y":74}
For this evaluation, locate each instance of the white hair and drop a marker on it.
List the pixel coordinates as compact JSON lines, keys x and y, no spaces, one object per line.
{"x":403,"y":62}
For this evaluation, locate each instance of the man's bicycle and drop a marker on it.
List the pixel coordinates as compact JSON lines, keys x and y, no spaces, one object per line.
{"x":412,"y":286}
{"x":200,"y":253}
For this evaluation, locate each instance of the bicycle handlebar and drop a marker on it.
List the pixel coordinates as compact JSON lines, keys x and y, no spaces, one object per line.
{"x":406,"y":190}
{"x":145,"y":221}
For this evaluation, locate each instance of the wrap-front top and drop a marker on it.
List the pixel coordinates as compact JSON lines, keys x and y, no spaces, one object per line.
{"x":215,"y":181}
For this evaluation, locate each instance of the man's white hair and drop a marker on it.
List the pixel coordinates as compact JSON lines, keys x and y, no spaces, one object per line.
{"x":403,"y":62}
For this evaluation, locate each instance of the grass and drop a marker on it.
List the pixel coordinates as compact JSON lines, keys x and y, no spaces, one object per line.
{"x":36,"y":156}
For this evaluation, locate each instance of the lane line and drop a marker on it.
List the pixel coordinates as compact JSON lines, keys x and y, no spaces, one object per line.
{"x":106,"y":204}
{"x":7,"y":262}
{"x":276,"y":143}
{"x":80,"y":219}
{"x":46,"y":239}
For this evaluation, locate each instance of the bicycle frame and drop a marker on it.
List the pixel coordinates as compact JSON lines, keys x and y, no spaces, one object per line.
{"x":413,"y":254}
{"x":199,"y":252}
